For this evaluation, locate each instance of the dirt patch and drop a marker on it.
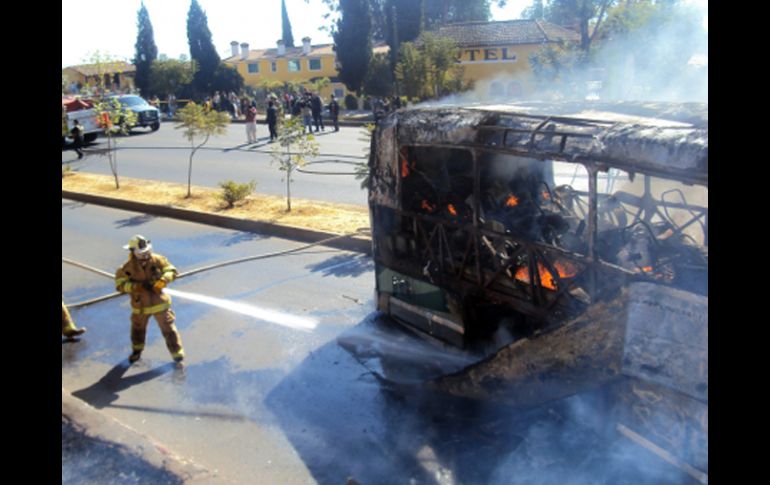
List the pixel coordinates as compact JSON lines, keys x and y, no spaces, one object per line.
{"x":310,"y":214}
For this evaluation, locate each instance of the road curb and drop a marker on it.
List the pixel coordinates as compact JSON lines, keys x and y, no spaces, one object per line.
{"x":97,"y":425}
{"x":349,"y":243}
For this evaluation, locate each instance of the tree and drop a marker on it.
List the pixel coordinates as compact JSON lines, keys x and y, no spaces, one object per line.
{"x":292,"y":151}
{"x":353,"y":42}
{"x":199,"y":122}
{"x":535,"y":11}
{"x":112,"y":117}
{"x":585,"y":16}
{"x":145,"y":52}
{"x":226,"y":79}
{"x":288,"y":38}
{"x":440,"y":12}
{"x":170,"y":76}
{"x":202,"y":49}
{"x":440,"y":55}
{"x":411,"y":71}
{"x":429,"y":67}
{"x":379,"y":79}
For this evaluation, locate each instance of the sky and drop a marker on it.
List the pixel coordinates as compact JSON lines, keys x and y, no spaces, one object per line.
{"x":109,"y":26}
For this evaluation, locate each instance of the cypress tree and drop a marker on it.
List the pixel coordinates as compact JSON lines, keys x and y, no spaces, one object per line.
{"x":202,"y":49}
{"x":145,"y":51}
{"x":288,"y":38}
{"x":353,"y":42}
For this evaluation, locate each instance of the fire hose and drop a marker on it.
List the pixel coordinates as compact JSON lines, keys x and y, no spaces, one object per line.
{"x":359,"y":231}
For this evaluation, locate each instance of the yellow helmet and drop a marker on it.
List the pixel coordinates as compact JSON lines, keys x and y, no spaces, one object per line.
{"x":138,"y":244}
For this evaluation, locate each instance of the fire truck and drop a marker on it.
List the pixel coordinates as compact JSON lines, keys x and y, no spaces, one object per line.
{"x":554,"y":249}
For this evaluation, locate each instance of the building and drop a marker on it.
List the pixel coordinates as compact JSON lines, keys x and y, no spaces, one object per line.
{"x":283,"y":64}
{"x":115,"y":76}
{"x":496,"y":54}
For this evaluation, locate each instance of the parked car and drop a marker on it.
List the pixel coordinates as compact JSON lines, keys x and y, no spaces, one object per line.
{"x":146,"y":114}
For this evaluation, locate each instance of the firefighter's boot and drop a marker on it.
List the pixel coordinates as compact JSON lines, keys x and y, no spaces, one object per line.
{"x":135,"y":355}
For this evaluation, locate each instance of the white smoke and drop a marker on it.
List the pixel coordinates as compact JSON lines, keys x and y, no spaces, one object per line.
{"x":666,"y":60}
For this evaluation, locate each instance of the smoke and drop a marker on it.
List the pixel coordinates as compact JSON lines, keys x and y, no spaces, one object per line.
{"x":665,"y":60}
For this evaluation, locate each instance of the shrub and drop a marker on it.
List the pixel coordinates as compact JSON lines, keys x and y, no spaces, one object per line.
{"x":233,"y":192}
{"x":351,"y":102}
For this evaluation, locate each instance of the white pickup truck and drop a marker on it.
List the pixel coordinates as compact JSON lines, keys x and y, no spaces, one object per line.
{"x":74,"y":108}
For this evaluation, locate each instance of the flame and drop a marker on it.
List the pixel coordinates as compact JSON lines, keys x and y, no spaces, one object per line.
{"x":646,"y":269}
{"x":404,"y":165}
{"x":512,"y":201}
{"x":452,"y":210}
{"x":426,"y":206}
{"x":564,"y":268}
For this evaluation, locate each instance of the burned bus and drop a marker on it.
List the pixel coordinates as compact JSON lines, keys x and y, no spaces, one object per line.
{"x":563,"y":246}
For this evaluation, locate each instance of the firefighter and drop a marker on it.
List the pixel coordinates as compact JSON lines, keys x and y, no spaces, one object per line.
{"x":143,"y":277}
{"x":68,"y":328}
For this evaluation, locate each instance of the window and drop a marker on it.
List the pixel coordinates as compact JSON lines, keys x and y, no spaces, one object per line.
{"x":253,"y":68}
{"x":274,"y":66}
{"x":293,"y":65}
{"x":314,"y":64}
{"x":339,"y":93}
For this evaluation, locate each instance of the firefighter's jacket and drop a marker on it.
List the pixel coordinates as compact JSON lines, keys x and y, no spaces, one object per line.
{"x":137,"y":280}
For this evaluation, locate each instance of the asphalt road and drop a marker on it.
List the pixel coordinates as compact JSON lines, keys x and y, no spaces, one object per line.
{"x":164,"y":155}
{"x":262,"y":401}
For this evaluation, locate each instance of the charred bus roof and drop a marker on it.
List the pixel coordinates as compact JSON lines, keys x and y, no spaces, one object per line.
{"x":662,"y":139}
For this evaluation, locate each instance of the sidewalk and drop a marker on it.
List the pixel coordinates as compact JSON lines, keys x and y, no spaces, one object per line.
{"x":99,"y":449}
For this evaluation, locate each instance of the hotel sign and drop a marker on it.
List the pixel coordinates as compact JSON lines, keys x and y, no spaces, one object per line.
{"x":487,"y":55}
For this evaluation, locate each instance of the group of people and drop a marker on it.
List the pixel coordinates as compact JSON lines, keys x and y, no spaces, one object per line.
{"x":309,"y":107}
{"x":143,"y":278}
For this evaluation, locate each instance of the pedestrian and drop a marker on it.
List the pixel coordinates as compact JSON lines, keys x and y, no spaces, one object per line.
{"x":251,"y":123}
{"x":171,"y":101}
{"x":68,"y":327}
{"x":396,"y":103}
{"x":307,"y":113}
{"x":334,"y":111}
{"x":144,"y":276}
{"x":316,"y":108}
{"x":272,"y":120}
{"x":236,"y":105}
{"x":77,"y":138}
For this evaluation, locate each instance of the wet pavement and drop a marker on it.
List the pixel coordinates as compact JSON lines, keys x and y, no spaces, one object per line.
{"x":87,"y":460}
{"x":262,"y":401}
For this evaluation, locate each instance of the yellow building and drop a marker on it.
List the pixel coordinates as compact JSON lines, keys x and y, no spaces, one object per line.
{"x":114,"y":76}
{"x":496,"y":54}
{"x":296,"y":64}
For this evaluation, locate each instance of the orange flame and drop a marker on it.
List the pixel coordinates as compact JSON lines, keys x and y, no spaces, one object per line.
{"x":512,"y":201}
{"x":646,"y":269}
{"x":564,"y":268}
{"x":404,"y":168}
{"x":426,"y":206}
{"x":452,"y":210}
